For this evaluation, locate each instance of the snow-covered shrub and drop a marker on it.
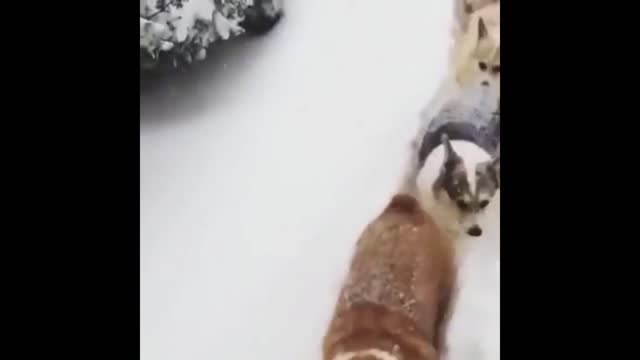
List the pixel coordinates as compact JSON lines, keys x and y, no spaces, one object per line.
{"x":179,"y":31}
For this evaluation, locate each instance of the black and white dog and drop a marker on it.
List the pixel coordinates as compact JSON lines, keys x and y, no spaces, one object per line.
{"x":459,"y":161}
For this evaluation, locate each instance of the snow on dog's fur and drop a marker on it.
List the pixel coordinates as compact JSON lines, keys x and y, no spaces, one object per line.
{"x":475,"y":56}
{"x":394,"y":304}
{"x":458,"y":180}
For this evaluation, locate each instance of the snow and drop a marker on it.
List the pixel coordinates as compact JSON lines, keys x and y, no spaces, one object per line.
{"x":260,"y":168}
{"x":474,"y":329}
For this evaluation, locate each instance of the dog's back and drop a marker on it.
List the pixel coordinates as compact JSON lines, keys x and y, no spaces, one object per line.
{"x":472,"y":116}
{"x":394,"y":301}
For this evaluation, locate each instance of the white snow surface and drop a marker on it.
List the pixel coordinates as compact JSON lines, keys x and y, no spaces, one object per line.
{"x":260,"y":169}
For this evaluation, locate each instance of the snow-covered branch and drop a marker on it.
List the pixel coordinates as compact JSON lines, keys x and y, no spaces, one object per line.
{"x":181,"y":30}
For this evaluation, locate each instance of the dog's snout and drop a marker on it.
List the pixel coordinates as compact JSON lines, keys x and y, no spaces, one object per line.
{"x":485,"y":83}
{"x":475,"y":230}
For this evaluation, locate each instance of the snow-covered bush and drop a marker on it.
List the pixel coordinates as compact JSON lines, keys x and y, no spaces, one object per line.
{"x":179,"y":31}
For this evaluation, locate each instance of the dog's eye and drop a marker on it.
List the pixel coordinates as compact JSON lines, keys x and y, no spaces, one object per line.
{"x":495,"y":69}
{"x":462,"y":205}
{"x":484,"y":203}
{"x":483,"y":66}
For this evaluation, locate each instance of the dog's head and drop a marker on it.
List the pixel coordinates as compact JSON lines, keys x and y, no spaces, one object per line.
{"x":479,"y":57}
{"x":468,"y":188}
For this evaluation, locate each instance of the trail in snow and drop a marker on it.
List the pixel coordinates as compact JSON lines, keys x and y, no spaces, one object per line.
{"x":260,"y":169}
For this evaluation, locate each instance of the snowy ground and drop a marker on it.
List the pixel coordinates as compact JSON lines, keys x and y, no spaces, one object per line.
{"x":260,"y":169}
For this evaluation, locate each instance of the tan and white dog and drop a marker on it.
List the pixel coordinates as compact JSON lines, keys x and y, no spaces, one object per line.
{"x":394,"y":303}
{"x":475,"y":55}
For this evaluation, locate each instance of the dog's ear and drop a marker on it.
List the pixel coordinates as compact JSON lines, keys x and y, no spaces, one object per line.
{"x":484,"y":43}
{"x":483,"y":32}
{"x":450,"y":163}
{"x":452,"y":173}
{"x":468,"y":8}
{"x":449,"y":154}
{"x":490,"y":172}
{"x":495,"y":165}
{"x":452,"y":160}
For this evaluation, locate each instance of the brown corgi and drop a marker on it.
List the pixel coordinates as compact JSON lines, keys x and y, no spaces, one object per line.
{"x":394,"y":303}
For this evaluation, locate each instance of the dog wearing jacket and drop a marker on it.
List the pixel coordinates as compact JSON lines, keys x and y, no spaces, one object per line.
{"x":394,"y":303}
{"x":459,"y":161}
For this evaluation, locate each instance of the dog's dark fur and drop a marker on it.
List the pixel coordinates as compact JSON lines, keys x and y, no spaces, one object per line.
{"x":398,"y":291}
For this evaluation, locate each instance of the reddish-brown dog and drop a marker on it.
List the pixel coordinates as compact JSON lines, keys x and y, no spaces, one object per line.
{"x":394,"y":304}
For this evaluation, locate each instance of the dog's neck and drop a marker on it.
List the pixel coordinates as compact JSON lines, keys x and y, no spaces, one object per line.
{"x":372,"y":354}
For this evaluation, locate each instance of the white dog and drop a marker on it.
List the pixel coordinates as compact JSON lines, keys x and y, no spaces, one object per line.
{"x":475,"y":55}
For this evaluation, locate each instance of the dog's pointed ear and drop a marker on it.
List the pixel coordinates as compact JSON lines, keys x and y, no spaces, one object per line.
{"x":483,"y":32}
{"x":467,"y":7}
{"x":449,"y":153}
{"x":451,"y":163}
{"x":495,"y":165}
